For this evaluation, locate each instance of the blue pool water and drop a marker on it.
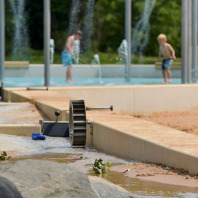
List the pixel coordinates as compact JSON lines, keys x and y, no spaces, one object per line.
{"x":60,"y":82}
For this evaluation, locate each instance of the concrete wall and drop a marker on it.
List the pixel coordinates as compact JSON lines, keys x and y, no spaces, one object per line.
{"x":12,"y":96}
{"x":49,"y":110}
{"x":137,"y":99}
{"x":132,"y":99}
{"x":20,"y":129}
{"x":119,"y":143}
{"x":92,"y":71}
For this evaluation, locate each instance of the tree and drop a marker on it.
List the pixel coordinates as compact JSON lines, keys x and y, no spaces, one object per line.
{"x":60,"y":12}
{"x":166,"y":19}
{"x":108,"y":25}
{"x":34,"y":14}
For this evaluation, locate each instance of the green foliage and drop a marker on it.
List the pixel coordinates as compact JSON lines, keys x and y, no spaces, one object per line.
{"x":99,"y":166}
{"x":86,"y":58}
{"x":4,"y":156}
{"x":8,"y":28}
{"x":34,"y":19}
{"x":108,"y":27}
{"x":35,"y":57}
{"x":108,"y":24}
{"x":108,"y":164}
{"x":166,"y":19}
{"x":60,"y":11}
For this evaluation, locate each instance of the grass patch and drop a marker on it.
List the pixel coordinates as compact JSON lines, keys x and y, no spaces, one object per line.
{"x":37,"y":57}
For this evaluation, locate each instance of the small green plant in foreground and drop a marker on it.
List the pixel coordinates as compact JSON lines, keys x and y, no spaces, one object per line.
{"x":99,"y":166}
{"x":4,"y":156}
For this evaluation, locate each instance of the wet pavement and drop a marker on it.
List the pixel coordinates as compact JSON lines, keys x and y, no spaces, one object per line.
{"x":58,"y":149}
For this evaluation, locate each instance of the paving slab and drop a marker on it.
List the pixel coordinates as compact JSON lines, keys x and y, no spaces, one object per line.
{"x":20,"y":113}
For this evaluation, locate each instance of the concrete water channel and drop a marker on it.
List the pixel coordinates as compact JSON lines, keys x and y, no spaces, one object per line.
{"x":117,"y":137}
{"x":59,"y":150}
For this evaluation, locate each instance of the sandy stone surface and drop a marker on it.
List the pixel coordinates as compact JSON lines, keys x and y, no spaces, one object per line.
{"x":50,"y":98}
{"x":24,"y":113}
{"x":183,"y":121}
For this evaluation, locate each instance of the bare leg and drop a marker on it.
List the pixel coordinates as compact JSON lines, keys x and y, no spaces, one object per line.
{"x":69,"y":73}
{"x":164,"y":75}
{"x":169,"y":74}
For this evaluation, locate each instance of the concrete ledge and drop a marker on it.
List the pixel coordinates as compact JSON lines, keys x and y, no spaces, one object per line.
{"x":91,"y":71}
{"x":141,"y":99}
{"x":16,"y":64}
{"x":9,"y":104}
{"x":20,"y":129}
{"x":6,"y":94}
{"x":175,"y":65}
{"x":11,"y":95}
{"x":49,"y":111}
{"x":17,"y":97}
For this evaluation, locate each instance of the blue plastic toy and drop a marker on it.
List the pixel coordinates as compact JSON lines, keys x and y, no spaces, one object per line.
{"x":38,"y":136}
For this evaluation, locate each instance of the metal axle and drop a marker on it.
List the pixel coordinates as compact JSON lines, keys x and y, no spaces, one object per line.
{"x":37,"y":88}
{"x":99,"y":108}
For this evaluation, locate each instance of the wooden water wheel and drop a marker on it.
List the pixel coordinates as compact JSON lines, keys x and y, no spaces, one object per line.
{"x":77,"y":123}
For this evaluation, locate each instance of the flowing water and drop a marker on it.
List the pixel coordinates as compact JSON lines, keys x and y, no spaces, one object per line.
{"x":20,"y":38}
{"x":87,"y":27}
{"x":84,"y":10}
{"x":73,"y":22}
{"x":59,"y":150}
{"x":96,"y":61}
{"x":141,"y":31}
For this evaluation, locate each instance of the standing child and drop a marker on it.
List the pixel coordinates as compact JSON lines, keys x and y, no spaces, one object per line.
{"x":168,"y":54}
{"x":67,"y":53}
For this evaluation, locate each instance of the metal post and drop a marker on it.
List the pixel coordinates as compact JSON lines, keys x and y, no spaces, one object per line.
{"x":2,"y":38}
{"x":189,"y":37}
{"x":184,"y":41}
{"x":47,"y":28}
{"x":128,"y":38}
{"x":194,"y":41}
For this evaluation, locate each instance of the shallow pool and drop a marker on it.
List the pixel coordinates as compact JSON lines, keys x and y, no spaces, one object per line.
{"x":61,"y":82}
